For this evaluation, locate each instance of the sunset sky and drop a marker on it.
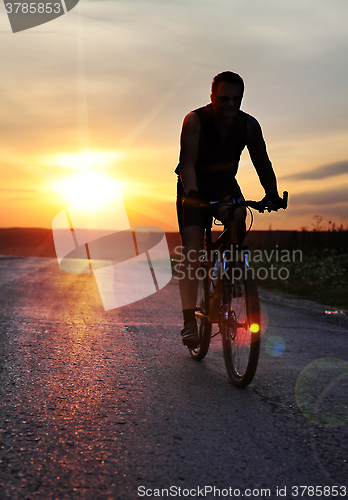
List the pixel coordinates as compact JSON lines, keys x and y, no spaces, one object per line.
{"x":102,"y":91}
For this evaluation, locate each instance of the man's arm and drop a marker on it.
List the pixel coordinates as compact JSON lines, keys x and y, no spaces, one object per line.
{"x":188,"y":152}
{"x":258,"y":154}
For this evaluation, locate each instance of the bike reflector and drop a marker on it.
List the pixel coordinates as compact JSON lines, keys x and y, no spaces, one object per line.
{"x":254,"y":328}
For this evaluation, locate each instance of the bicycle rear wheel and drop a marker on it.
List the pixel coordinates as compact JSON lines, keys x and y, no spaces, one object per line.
{"x":204,"y":328}
{"x":240,"y":325}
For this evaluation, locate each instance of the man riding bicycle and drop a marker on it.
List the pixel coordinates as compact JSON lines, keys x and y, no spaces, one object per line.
{"x":212,"y":140}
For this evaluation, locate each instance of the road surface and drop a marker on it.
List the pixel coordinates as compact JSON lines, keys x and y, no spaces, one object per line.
{"x":109,"y":405}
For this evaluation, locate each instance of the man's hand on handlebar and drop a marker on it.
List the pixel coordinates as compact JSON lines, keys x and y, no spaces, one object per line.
{"x":273,"y":201}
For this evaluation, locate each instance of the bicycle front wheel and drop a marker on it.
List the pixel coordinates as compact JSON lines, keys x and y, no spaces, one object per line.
{"x":240,"y":325}
{"x":204,"y":328}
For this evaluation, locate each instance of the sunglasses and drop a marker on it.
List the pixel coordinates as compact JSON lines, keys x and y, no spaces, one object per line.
{"x":224,"y":99}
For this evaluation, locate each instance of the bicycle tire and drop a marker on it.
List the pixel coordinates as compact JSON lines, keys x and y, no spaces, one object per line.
{"x":241,"y":346}
{"x":204,"y":328}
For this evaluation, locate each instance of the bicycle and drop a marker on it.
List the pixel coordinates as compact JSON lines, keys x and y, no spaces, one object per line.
{"x":228,"y":295}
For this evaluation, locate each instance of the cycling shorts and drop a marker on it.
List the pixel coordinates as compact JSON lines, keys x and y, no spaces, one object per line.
{"x":203,"y":216}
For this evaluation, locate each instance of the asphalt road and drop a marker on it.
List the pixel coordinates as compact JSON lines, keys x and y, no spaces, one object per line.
{"x":95,"y":404}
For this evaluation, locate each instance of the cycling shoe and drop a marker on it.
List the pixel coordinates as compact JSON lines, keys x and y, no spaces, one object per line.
{"x":189,"y":335}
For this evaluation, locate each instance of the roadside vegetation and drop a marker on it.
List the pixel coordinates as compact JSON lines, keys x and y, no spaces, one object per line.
{"x":319,"y":272}
{"x":311,"y":264}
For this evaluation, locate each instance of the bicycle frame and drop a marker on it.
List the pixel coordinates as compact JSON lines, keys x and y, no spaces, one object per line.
{"x":222,"y":282}
{"x":233,"y":303}
{"x":230,"y":233}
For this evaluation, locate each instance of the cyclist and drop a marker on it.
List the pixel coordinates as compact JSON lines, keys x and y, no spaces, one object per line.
{"x":212,"y":140}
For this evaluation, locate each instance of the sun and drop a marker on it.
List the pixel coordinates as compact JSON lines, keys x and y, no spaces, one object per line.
{"x":90,"y":187}
{"x":89,"y":191}
{"x":86,"y":159}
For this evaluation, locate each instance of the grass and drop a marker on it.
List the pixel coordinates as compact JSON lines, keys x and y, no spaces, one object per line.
{"x":319,"y":272}
{"x":316,"y":267}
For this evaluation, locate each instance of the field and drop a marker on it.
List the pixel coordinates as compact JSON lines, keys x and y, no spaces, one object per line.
{"x":309,"y":264}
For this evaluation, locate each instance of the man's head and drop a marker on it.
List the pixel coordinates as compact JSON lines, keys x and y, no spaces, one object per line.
{"x":226,"y":94}
{"x":228,"y":77}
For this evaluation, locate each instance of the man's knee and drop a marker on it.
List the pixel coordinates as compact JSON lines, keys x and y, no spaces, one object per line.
{"x":240,"y":215}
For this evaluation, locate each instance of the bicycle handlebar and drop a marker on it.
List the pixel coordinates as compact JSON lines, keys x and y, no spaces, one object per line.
{"x":256,"y":205}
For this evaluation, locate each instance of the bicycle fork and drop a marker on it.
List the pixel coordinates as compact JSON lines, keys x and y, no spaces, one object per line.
{"x":226,"y":289}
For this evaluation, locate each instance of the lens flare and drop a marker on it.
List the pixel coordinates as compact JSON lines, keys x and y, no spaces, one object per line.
{"x":275,"y":346}
{"x":331,"y":459}
{"x":321,"y":391}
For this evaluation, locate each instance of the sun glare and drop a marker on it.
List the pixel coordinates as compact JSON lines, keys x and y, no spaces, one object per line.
{"x":86,"y":160}
{"x":89,"y":191}
{"x":91,"y":187}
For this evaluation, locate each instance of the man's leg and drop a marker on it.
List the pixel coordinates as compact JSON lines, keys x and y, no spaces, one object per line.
{"x":193,"y":245}
{"x":238,"y":215}
{"x":239,"y":219}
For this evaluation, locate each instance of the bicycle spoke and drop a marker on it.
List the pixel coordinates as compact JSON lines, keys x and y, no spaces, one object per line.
{"x":241,"y":346}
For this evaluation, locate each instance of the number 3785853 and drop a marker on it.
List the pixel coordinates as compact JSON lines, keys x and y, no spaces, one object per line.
{"x":32,"y":8}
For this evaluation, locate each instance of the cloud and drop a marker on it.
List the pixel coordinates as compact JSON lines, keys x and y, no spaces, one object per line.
{"x":121,"y":72}
{"x":323,"y":172}
{"x":321,"y":198}
{"x":135,"y":51}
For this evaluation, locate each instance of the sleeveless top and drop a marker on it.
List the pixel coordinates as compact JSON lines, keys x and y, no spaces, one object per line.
{"x":218,"y":159}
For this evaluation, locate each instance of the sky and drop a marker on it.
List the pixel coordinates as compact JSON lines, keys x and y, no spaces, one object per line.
{"x":97,"y":97}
